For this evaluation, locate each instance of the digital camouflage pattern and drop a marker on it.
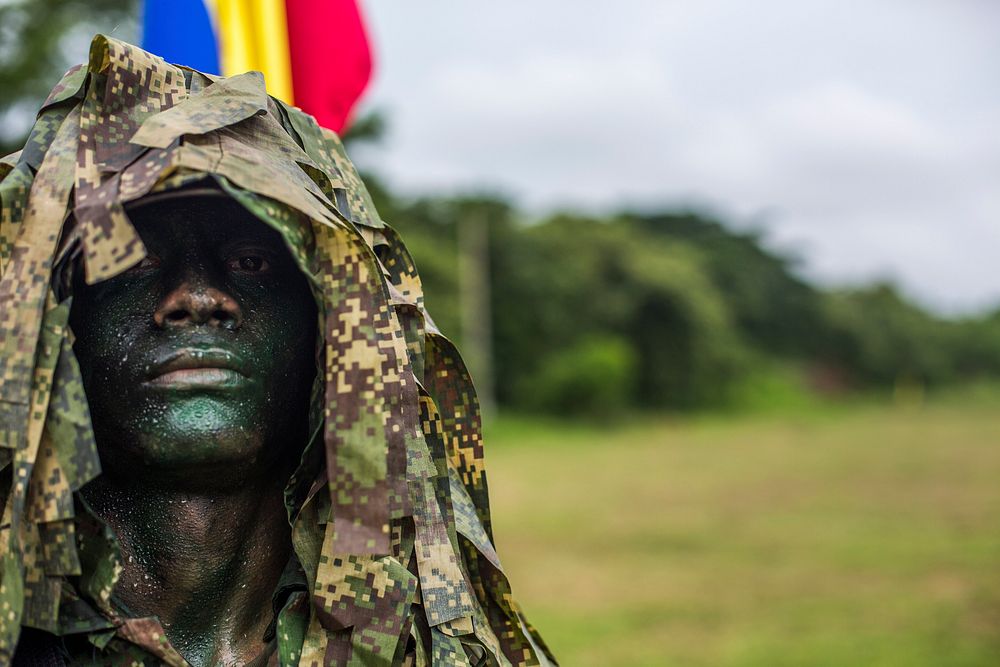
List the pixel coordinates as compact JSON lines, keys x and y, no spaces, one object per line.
{"x":389,"y":508}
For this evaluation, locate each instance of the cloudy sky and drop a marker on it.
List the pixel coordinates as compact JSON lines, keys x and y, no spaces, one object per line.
{"x":864,"y":137}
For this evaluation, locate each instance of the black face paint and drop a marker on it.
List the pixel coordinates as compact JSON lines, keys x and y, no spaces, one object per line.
{"x":199,"y":361}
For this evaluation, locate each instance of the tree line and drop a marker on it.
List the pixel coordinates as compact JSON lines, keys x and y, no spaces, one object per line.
{"x":671,"y":310}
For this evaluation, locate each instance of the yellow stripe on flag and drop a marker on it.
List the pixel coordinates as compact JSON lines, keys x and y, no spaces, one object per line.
{"x":253,"y":35}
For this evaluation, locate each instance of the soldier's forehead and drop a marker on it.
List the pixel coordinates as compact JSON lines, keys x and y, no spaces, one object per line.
{"x":194,"y":208}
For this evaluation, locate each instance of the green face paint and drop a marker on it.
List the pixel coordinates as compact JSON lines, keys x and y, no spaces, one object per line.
{"x":198,"y":361}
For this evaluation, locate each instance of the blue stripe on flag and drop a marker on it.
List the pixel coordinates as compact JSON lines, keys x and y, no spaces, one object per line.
{"x":180,"y":32}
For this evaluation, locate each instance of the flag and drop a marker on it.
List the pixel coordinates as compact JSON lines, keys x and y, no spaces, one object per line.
{"x":314,"y":53}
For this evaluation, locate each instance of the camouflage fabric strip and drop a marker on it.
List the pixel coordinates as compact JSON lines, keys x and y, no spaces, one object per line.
{"x":68,"y":423}
{"x":8,"y":161}
{"x":442,"y":584}
{"x":498,"y":607}
{"x":277,"y":157}
{"x":14,"y":190}
{"x":309,"y":526}
{"x":206,"y":154}
{"x":433,"y":438}
{"x":372,"y":595}
{"x":450,"y":386}
{"x":59,"y":548}
{"x":11,"y":593}
{"x":541,"y":650}
{"x":356,"y":444}
{"x":52,"y":114}
{"x":467,"y":520}
{"x":402,"y":427}
{"x":371,"y":396}
{"x":350,"y":593}
{"x":69,"y":86}
{"x":305,"y":129}
{"x":66,"y":459}
{"x":147,"y":633}
{"x":43,"y":132}
{"x":227,"y":102}
{"x":41,"y":592}
{"x":260,"y":156}
{"x":110,"y":117}
{"x":447,"y":650}
{"x":402,"y":270}
{"x":445,"y":596}
{"x":456,"y":509}
{"x":25,"y":281}
{"x":41,"y":588}
{"x":260,"y":131}
{"x":128,"y":86}
{"x":412,"y":323}
{"x":100,"y":562}
{"x":359,"y":200}
{"x":141,"y":176}
{"x":293,"y":622}
{"x":317,"y":643}
{"x":326,"y":150}
{"x":78,"y":616}
{"x":49,"y":495}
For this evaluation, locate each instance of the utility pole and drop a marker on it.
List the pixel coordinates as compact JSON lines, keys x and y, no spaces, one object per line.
{"x":474,"y":300}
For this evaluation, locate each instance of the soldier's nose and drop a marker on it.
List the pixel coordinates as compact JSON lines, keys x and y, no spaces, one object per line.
{"x":191,"y":303}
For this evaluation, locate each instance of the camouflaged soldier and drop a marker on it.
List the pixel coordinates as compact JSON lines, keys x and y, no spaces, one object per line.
{"x":198,"y":298}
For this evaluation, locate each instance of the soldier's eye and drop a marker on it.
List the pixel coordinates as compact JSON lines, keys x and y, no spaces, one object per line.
{"x":249,"y":263}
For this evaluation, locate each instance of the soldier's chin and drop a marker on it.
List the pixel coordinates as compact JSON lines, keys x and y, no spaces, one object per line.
{"x":206,"y":455}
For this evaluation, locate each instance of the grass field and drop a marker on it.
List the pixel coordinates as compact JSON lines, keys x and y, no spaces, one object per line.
{"x":859,"y":536}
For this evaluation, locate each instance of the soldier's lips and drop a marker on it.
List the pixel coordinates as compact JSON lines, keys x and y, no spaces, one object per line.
{"x":197,"y":368}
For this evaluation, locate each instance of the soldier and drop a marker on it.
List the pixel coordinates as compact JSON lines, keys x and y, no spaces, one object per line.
{"x":229,"y":431}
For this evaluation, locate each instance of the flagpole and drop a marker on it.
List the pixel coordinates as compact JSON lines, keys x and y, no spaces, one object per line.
{"x":476,"y":309}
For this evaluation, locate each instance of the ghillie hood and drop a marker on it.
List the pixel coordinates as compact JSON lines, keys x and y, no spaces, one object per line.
{"x":389,"y":510}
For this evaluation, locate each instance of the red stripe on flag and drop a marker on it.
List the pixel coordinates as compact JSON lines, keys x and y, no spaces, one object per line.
{"x":330,"y":57}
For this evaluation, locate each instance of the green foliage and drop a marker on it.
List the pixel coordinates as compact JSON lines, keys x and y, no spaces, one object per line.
{"x":41,"y":39}
{"x":367,"y":129}
{"x":591,"y":377}
{"x":976,"y":346}
{"x":879,"y":338}
{"x":569,"y":278}
{"x":775,"y":387}
{"x":773,"y":308}
{"x":704,"y":316}
{"x":682,"y":328}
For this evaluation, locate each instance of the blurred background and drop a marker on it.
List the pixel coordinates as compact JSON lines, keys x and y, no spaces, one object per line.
{"x":725,"y":274}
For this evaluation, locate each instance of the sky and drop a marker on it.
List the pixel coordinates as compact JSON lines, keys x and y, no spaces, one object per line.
{"x":863,"y":138}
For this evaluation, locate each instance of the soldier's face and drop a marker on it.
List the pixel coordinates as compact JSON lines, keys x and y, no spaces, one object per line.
{"x":198,"y":363}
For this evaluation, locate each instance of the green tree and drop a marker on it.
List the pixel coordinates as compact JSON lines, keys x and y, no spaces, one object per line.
{"x":573,"y":279}
{"x":774,"y":309}
{"x":39,"y":41}
{"x":880,"y":338}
